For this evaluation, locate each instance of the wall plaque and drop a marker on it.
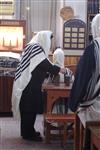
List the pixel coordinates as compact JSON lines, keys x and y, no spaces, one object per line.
{"x":74,"y":34}
{"x":12,"y":35}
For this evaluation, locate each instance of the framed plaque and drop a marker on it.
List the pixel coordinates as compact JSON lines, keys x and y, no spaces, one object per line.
{"x":7,"y":7}
{"x":74,"y":34}
{"x":12,"y":35}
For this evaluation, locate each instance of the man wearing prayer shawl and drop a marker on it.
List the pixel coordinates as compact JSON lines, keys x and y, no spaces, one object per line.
{"x":85,"y":93}
{"x":58,"y":59}
{"x":31,"y":72}
{"x":60,"y":106}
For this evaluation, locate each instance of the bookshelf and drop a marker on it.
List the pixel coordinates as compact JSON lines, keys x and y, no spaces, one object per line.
{"x":93,"y":7}
{"x":12,"y":41}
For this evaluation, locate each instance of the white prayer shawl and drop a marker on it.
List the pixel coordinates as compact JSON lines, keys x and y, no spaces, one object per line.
{"x":58,"y":59}
{"x":32,"y":56}
{"x":93,"y":111}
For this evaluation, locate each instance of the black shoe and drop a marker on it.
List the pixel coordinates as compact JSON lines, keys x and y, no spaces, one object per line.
{"x":34,"y":138}
{"x":36,"y":133}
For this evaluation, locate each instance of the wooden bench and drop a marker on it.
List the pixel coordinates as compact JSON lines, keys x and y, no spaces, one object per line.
{"x":61,"y":119}
{"x":94,"y":129}
{"x":86,"y":137}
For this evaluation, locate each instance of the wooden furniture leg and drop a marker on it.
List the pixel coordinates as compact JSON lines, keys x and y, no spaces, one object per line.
{"x":77,"y":133}
{"x":57,"y":118}
{"x":81,"y":136}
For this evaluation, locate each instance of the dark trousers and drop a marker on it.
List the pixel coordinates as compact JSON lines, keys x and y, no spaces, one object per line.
{"x":27,"y":124}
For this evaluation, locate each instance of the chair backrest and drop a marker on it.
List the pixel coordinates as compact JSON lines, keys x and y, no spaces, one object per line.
{"x":89,"y":126}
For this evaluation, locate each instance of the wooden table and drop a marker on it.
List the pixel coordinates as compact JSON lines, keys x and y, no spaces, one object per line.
{"x":95,"y":137}
{"x":54,"y":92}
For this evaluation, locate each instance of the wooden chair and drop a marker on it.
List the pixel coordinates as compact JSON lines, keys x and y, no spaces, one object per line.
{"x":63,"y":120}
{"x":79,"y":134}
{"x":92,"y":135}
{"x":95,"y":135}
{"x":83,"y":137}
{"x":60,"y":119}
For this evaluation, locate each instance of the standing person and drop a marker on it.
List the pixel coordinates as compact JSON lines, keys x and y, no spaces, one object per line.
{"x":30,"y":74}
{"x":85,"y":93}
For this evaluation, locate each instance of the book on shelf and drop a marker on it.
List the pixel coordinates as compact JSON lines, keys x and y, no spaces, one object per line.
{"x":93,"y":6}
{"x":96,"y":6}
{"x":89,"y":7}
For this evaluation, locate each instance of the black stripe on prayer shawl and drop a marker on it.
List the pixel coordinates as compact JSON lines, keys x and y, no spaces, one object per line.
{"x":94,"y":80}
{"x":25,"y":64}
{"x":26,"y":49}
{"x":30,"y":52}
{"x":27,"y":52}
{"x":29,"y":56}
{"x":98,"y":91}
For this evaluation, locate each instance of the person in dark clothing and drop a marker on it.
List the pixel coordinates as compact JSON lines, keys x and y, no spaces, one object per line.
{"x":85,"y":93}
{"x":27,"y":89}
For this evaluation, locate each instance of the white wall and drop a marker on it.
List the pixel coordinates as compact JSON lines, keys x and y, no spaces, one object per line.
{"x":41,"y":15}
{"x":45,"y":15}
{"x":80,"y":12}
{"x":59,"y":23}
{"x":79,"y":7}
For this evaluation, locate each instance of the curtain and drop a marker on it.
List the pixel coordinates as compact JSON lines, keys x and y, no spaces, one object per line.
{"x":39,"y":15}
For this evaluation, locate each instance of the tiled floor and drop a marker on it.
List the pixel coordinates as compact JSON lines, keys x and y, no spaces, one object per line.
{"x":10,"y":137}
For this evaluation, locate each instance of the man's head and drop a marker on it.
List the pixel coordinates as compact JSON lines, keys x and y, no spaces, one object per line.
{"x":95,"y":26}
{"x":43,"y":38}
{"x":58,"y":57}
